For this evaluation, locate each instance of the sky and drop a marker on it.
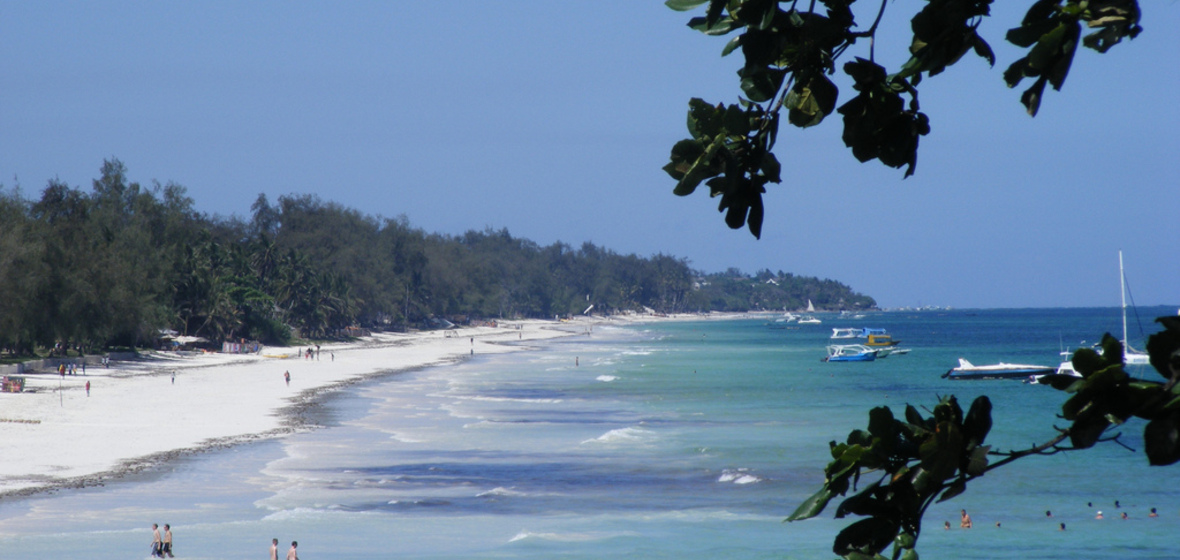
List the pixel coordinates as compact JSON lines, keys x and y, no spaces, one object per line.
{"x":553,"y":120}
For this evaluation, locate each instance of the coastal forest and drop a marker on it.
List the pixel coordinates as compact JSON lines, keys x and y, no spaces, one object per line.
{"x":116,"y":265}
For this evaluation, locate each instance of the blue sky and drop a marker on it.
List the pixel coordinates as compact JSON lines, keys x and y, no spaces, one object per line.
{"x":553,"y":119}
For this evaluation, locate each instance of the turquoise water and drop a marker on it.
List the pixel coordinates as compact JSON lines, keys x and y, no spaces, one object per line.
{"x":672,"y":440}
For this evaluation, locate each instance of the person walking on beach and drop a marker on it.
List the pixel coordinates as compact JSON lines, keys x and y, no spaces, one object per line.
{"x":167,"y":548}
{"x":156,"y":542}
{"x":274,"y":549}
{"x":287,"y":376}
{"x":87,"y":388}
{"x":291,"y":554}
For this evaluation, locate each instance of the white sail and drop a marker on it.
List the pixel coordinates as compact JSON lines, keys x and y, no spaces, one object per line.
{"x":1130,"y":355}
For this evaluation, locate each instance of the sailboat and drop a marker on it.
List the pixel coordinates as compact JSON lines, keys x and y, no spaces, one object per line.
{"x":809,"y":319}
{"x":1130,"y":355}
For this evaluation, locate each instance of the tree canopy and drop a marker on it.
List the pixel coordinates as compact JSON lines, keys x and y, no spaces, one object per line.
{"x":792,"y":48}
{"x":117,"y":264}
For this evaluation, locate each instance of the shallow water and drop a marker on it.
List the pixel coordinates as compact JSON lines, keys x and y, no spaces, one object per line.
{"x":673,"y":440}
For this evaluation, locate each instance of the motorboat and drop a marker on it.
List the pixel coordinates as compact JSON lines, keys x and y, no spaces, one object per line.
{"x":887,"y":351}
{"x":809,"y":320}
{"x":855,"y":332}
{"x":850,"y":353}
{"x":846,"y":333}
{"x":880,"y":340}
{"x":782,"y":322}
{"x":1002,"y":370}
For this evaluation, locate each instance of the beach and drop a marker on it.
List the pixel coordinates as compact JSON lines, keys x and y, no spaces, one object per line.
{"x":640,"y":437}
{"x":137,"y":414}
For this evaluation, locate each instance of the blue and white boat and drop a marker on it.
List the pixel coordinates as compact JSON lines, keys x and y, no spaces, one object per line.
{"x":850,"y":353}
{"x":1002,"y":370}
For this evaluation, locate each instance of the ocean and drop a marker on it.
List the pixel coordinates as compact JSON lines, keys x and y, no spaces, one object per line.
{"x":677,"y":440}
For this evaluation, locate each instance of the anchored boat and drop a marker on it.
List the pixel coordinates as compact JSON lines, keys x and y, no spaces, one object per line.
{"x":967,"y":370}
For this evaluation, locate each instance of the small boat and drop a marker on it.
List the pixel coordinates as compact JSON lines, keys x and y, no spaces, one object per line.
{"x":850,"y":353}
{"x":782,"y":322}
{"x":846,"y":333}
{"x":881,"y":340}
{"x":809,"y":320}
{"x":890,"y":351}
{"x":967,"y":370}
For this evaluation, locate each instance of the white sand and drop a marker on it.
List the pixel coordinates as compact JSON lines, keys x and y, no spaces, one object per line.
{"x":136,"y":416}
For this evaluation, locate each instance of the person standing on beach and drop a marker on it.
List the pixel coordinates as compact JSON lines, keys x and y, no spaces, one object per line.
{"x":274,"y":549}
{"x":156,"y":541}
{"x":291,"y":554}
{"x":287,"y":376}
{"x":167,"y":548}
{"x":87,"y":388}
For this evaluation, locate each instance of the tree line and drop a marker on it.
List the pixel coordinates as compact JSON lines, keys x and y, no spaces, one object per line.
{"x":116,"y":265}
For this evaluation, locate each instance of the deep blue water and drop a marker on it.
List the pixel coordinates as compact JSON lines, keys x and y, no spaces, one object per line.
{"x":669,"y":440}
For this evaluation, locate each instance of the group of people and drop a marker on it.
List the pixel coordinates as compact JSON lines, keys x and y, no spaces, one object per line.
{"x":965,"y":520}
{"x":291,"y":553}
{"x":64,"y":369}
{"x":161,"y":546}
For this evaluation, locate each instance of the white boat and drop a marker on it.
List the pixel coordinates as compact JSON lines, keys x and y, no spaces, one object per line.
{"x":846,"y":333}
{"x":809,"y":320}
{"x":782,"y":322}
{"x":850,"y":353}
{"x":1131,"y":356}
{"x":891,"y":351}
{"x":1002,"y":370}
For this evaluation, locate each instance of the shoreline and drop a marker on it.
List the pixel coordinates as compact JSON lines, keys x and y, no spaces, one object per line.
{"x":143,"y":414}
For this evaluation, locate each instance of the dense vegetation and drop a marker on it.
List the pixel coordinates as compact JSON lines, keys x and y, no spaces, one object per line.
{"x":117,"y":264}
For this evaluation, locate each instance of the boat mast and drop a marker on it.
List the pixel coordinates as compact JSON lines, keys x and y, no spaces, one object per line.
{"x":1123,"y":295}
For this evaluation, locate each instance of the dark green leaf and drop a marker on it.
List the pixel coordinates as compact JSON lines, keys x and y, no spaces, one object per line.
{"x":813,"y":506}
{"x":1087,"y":362}
{"x":771,"y":168}
{"x":1015,"y":72}
{"x":732,"y":45}
{"x":1060,"y":68}
{"x":978,"y":422}
{"x":754,"y":219}
{"x":983,"y":49}
{"x":1086,"y":430}
{"x":913,"y":416}
{"x":881,"y":423}
{"x":870,"y":535}
{"x":684,"y":5}
{"x":954,"y":490}
{"x":1164,"y":348}
{"x":1059,"y":382}
{"x":977,"y":462}
{"x":1031,"y":98}
{"x":1161,"y":439}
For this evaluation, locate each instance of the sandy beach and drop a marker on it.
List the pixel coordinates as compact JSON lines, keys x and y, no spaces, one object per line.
{"x":144,"y":412}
